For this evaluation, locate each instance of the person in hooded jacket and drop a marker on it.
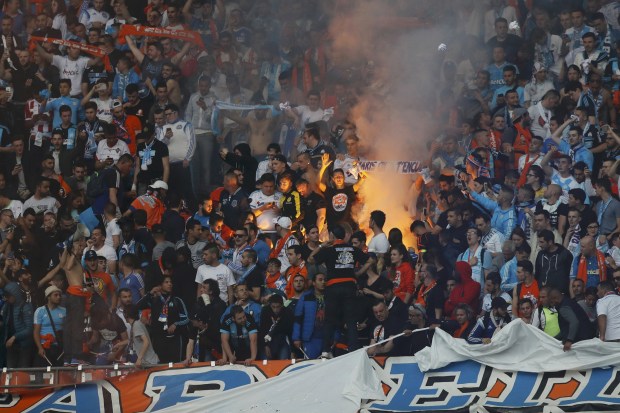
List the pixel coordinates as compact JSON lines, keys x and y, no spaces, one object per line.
{"x":241,"y":158}
{"x":553,"y":263}
{"x":467,"y":291}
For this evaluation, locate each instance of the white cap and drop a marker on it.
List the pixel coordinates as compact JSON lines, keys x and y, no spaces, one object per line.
{"x":284,"y":222}
{"x":159,"y":185}
{"x":51,"y":289}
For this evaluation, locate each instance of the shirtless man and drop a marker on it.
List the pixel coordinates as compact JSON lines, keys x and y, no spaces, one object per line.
{"x":261,"y":124}
{"x":174,"y":90}
{"x":77,"y":296}
{"x":304,"y":164}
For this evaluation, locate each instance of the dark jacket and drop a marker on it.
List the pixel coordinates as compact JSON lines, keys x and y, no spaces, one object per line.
{"x":553,"y":269}
{"x":280,"y":326}
{"x":246,"y":164}
{"x":23,"y":317}
{"x":210,"y":315}
{"x":574,"y":322}
{"x":31,"y":165}
{"x":177,"y":313}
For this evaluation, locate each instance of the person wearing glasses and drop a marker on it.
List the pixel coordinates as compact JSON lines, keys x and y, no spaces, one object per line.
{"x":236,"y":253}
{"x":535,"y":177}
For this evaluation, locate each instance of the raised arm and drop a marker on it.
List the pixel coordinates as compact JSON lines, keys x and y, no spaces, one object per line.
{"x":324,"y":165}
{"x":187,"y":11}
{"x":557,"y":135}
{"x":544,"y":163}
{"x":176,"y":59}
{"x":134,"y":49}
{"x":44,"y":53}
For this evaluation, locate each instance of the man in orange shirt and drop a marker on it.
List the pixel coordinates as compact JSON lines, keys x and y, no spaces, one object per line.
{"x":151,"y":202}
{"x":101,"y":282}
{"x":127,"y":126}
{"x":298,"y":267}
{"x":527,"y":286}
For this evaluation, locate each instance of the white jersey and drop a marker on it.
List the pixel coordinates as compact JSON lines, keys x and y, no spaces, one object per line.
{"x":349,"y":166}
{"x":565,"y":183}
{"x":182,"y":144}
{"x":94,"y":16}
{"x":282,"y":255}
{"x":264,"y":221}
{"x":309,"y":116}
{"x":104,"y":109}
{"x":72,"y":70}
{"x":104,"y":151}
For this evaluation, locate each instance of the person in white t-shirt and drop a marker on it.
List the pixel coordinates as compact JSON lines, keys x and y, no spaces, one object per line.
{"x":110,"y":149}
{"x":41,"y":201}
{"x":264,"y":204}
{"x":608,"y":310}
{"x":97,"y":244}
{"x":103,"y":101}
{"x":379,"y":243}
{"x":542,"y":112}
{"x":112,"y":230}
{"x":71,"y":66}
{"x":213,"y":269}
{"x":309,"y":113}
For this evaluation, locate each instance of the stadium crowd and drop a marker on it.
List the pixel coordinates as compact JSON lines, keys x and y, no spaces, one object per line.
{"x":180,"y":180}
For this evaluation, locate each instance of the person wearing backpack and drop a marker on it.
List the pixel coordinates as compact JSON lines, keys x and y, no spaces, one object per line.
{"x":476,"y":256}
{"x":107,"y":186}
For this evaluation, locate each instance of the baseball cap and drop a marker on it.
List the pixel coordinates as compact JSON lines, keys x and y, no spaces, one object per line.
{"x":280,"y":157}
{"x":51,"y":289}
{"x":284,"y":222}
{"x":90,"y":255}
{"x":159,"y":185}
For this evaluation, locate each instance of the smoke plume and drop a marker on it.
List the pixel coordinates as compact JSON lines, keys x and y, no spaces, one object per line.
{"x":394,"y":115}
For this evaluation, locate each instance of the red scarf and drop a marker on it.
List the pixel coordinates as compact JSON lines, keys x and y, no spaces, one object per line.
{"x":424,"y":290}
{"x":280,"y":244}
{"x":582,"y":269}
{"x":270,"y":280}
{"x":91,"y":50}
{"x":526,"y":168}
{"x":138,"y":30}
{"x":461,"y":330}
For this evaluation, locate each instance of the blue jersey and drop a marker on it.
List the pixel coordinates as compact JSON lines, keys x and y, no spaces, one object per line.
{"x":55,"y":104}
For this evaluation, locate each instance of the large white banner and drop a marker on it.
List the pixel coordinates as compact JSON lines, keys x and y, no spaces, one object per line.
{"x":336,"y":385}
